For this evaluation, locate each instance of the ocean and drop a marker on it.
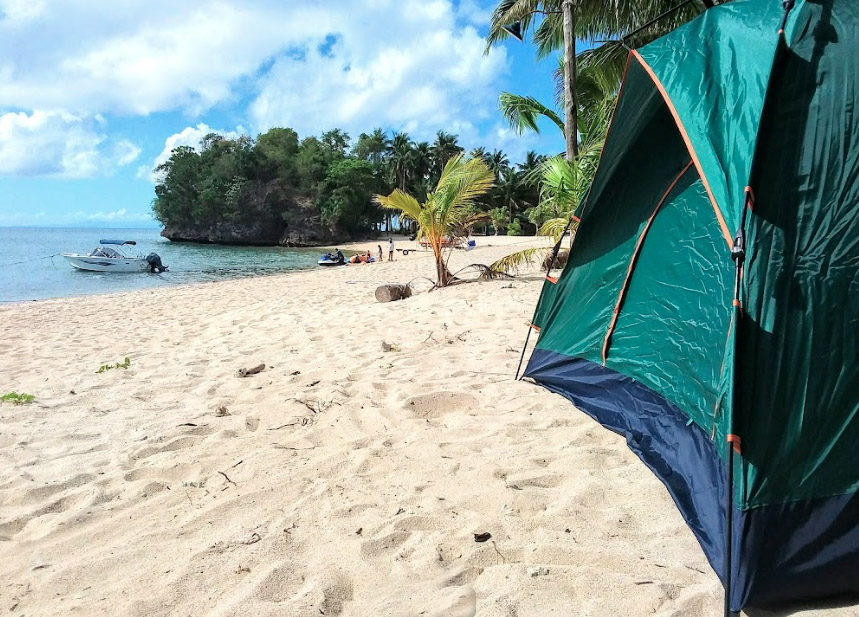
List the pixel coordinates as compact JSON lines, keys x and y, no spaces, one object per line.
{"x":32,"y":269}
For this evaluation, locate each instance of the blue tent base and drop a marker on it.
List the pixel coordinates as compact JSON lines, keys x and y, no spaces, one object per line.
{"x":801,"y":550}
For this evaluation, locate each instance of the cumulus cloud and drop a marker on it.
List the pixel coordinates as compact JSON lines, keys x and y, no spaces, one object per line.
{"x":414,"y":65}
{"x":407,"y":64}
{"x":59,"y":144}
{"x":313,"y":64}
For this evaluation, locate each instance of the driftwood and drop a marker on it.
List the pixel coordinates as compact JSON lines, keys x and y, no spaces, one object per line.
{"x":244,"y":372}
{"x":391,"y":293}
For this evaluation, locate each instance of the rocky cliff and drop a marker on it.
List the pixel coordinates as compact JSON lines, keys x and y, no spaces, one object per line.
{"x":293,"y":221}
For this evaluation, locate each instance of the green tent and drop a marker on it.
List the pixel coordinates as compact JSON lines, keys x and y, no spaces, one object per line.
{"x":736,"y":133}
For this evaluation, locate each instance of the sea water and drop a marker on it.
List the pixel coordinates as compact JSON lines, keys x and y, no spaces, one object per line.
{"x":32,"y":269}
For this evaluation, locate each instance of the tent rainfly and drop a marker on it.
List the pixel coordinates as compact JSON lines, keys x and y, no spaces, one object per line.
{"x":709,"y":310}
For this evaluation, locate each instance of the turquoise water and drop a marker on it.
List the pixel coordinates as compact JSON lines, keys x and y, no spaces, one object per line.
{"x":28,"y":272}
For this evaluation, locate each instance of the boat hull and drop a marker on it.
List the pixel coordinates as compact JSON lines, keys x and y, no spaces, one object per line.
{"x":107,"y":264}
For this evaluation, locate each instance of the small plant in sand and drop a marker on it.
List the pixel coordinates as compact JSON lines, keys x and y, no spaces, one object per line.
{"x":106,"y":367}
{"x":448,"y":210}
{"x":17,"y":399}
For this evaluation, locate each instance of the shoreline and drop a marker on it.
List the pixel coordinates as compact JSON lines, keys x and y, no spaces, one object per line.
{"x":349,"y":247}
{"x":346,"y":478}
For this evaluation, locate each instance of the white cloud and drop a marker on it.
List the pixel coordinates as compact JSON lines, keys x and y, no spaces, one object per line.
{"x":21,"y":11}
{"x":407,"y":65}
{"x":392,"y":61}
{"x":59,"y":144}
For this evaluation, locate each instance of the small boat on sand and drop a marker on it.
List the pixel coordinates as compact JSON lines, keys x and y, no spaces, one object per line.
{"x":332,"y":259}
{"x":109,"y":257}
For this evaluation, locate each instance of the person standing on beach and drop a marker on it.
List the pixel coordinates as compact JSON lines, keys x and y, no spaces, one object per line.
{"x":379,"y":246}
{"x":390,"y":249}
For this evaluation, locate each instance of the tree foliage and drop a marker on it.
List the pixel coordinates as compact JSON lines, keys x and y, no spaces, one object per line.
{"x":248,"y":181}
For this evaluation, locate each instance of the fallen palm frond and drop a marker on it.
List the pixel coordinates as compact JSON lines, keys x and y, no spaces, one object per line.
{"x":515,"y":262}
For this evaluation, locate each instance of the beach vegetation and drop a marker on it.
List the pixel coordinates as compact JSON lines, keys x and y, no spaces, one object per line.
{"x":17,"y":398}
{"x":256,"y":182}
{"x":450,"y":207}
{"x":107,"y":367}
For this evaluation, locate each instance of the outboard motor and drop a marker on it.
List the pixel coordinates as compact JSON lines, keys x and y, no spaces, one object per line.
{"x":155,"y":265}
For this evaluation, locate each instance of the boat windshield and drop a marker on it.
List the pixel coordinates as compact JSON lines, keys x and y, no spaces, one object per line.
{"x":105,"y":251}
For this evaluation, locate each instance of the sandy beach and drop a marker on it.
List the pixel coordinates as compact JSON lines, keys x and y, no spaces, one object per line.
{"x":343,"y":479}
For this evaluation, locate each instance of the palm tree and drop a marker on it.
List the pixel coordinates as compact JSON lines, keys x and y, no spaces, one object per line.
{"x":399,"y":158}
{"x":444,"y":148}
{"x":498,"y":163}
{"x":372,"y":147}
{"x":450,"y":206}
{"x":531,"y":162}
{"x":478,"y":153}
{"x":510,"y":191}
{"x":596,"y":97}
{"x":563,"y":186}
{"x":421,"y":163}
{"x":556,"y":24}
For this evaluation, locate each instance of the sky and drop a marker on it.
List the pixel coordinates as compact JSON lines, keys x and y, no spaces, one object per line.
{"x":95,"y":93}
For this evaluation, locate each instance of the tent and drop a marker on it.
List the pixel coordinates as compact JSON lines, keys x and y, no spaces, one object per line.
{"x":709,"y":310}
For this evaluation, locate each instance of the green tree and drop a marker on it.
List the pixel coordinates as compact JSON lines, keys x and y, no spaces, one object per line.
{"x":500,"y":219}
{"x":176,"y":193}
{"x":276,"y":150}
{"x":444,"y":148}
{"x":346,"y":195}
{"x":450,"y":206}
{"x":336,"y":142}
{"x":498,"y":163}
{"x":372,"y":147}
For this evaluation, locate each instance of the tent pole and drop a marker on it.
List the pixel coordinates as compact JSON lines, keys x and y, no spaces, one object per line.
{"x":733,"y":443}
{"x":552,"y":261}
{"x":729,"y":531}
{"x":522,"y":356}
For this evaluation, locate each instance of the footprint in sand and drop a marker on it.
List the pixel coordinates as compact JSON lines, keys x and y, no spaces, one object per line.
{"x":385,"y":544}
{"x":180,"y":443}
{"x":281,"y":584}
{"x":437,"y":404}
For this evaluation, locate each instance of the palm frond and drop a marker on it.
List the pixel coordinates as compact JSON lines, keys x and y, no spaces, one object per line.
{"x":521,"y":259}
{"x":398,"y":200}
{"x":522,"y":112}
{"x":555,"y":227}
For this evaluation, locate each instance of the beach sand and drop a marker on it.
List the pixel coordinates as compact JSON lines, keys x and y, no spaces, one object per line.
{"x":341,"y":480}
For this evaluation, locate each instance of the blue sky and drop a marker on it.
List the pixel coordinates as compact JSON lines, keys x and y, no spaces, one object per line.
{"x":93,"y":95}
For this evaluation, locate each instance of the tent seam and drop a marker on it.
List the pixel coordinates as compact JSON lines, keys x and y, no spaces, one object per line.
{"x":623,"y":289}
{"x":719,"y":217}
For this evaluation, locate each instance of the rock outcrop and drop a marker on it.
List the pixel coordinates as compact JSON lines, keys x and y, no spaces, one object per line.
{"x":291,"y":221}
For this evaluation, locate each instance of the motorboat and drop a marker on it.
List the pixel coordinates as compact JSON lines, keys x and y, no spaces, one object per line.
{"x":110,"y":257}
{"x":331,"y":259}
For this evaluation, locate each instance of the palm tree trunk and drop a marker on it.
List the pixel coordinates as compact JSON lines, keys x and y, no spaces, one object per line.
{"x":570,"y":102}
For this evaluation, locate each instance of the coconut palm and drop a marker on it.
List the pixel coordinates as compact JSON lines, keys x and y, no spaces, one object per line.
{"x":449,"y":207}
{"x":421,"y":162}
{"x":444,"y":148}
{"x":596,"y":95}
{"x":478,"y":153}
{"x":556,"y":24}
{"x":498,"y":163}
{"x":372,"y":147}
{"x":510,"y":192}
{"x":531,"y":162}
{"x":563,"y":186}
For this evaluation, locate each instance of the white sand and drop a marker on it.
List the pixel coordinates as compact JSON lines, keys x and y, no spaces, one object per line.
{"x":343,"y":480}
